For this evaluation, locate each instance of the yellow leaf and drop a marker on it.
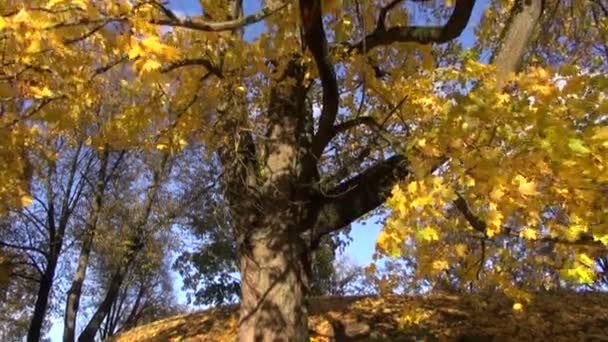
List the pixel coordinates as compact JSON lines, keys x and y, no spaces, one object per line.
{"x":35,"y":45}
{"x":427,"y":233}
{"x":440,"y":265}
{"x":585,"y":260}
{"x":83,"y":4}
{"x":150,"y":65}
{"x":461,"y":250}
{"x":529,"y":233}
{"x":154,"y":45}
{"x":2,"y":23}
{"x":240,"y":89}
{"x":53,"y":3}
{"x":581,"y":270}
{"x":494,"y":223}
{"x":497,"y":193}
{"x":23,"y":17}
{"x":526,"y":187}
{"x":388,"y":244}
{"x":518,"y":307}
{"x":135,"y":51}
{"x":575,"y":229}
{"x":412,"y":187}
{"x":600,"y":133}
{"x":41,"y":92}
{"x":469,"y":181}
{"x":26,"y":200}
{"x":162,"y":147}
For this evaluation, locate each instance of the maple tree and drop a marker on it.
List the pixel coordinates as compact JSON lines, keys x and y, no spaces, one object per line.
{"x":320,"y":119}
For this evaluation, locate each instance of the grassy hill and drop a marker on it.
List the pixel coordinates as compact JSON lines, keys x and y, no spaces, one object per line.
{"x":554,"y":316}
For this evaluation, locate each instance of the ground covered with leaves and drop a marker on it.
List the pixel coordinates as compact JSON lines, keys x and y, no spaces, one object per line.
{"x":555,"y":316}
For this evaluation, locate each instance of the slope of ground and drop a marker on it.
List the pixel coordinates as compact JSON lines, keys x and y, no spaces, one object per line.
{"x":562,"y":316}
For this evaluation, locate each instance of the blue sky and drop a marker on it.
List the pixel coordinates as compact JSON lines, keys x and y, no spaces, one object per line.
{"x":361,"y":249}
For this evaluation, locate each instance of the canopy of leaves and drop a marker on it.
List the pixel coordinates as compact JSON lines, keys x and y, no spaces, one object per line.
{"x":508,"y":173}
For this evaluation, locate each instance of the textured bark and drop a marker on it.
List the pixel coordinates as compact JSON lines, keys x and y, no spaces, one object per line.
{"x":518,"y":32}
{"x":274,"y":286}
{"x":271,"y":212}
{"x":272,"y":182}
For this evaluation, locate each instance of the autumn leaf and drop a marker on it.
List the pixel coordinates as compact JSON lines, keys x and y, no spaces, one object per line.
{"x":578,"y":146}
{"x":529,"y":234}
{"x":26,"y":200}
{"x":41,"y":92}
{"x":525,"y":187}
{"x":427,"y":234}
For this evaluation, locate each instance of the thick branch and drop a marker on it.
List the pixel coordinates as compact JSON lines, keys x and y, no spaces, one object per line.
{"x":524,"y":17}
{"x":475,"y":222}
{"x":355,"y":197}
{"x":419,"y":34}
{"x":316,"y":42}
{"x":228,"y":25}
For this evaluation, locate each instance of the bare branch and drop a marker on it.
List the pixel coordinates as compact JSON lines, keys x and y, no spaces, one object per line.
{"x":357,"y":196}
{"x":316,"y":42}
{"x":419,"y":34}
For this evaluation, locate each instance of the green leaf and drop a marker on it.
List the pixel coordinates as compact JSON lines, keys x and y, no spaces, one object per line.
{"x":578,"y":146}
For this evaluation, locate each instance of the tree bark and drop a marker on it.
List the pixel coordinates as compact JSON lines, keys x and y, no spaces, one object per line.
{"x":56,"y":235}
{"x":42,"y":300}
{"x":280,"y":213}
{"x":89,"y":332}
{"x":274,"y":286}
{"x":74,"y":293}
{"x":516,"y":35}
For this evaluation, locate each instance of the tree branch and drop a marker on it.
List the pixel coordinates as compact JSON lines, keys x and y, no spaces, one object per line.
{"x":357,"y":196}
{"x":475,"y":222}
{"x":316,"y":41}
{"x":419,"y":34}
{"x":479,"y":225}
{"x":522,"y":21}
{"x":383,"y":13}
{"x":228,"y":25}
{"x":206,"y":63}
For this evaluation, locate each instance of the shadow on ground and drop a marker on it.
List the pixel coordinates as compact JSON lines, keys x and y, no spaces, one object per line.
{"x":553,"y":316}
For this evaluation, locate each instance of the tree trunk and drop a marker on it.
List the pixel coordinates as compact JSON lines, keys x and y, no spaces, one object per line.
{"x":42,"y":300}
{"x":75,"y":291}
{"x":89,"y":332}
{"x":516,"y":35}
{"x":273,"y":287}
